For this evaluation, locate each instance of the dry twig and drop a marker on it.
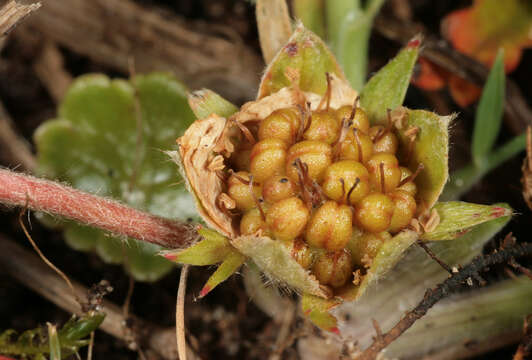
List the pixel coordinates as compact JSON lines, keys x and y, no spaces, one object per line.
{"x":525,"y":347}
{"x":12,"y":13}
{"x":50,"y":70}
{"x":112,"y":31}
{"x":15,"y":151}
{"x":432,"y":296}
{"x":180,"y":330}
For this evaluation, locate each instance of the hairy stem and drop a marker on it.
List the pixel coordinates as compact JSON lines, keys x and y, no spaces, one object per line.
{"x":41,"y":195}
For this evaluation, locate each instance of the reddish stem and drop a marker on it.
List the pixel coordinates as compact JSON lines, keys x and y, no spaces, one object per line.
{"x":41,"y":195}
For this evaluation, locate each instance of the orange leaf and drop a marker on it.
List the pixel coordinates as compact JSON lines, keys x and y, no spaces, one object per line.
{"x":482,"y":29}
{"x":429,"y":76}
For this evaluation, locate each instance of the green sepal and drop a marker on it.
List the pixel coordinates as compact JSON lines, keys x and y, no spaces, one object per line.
{"x":388,"y":255}
{"x":228,"y":267}
{"x":275,"y":260}
{"x":206,"y":102}
{"x":94,"y":145}
{"x":387,"y":88}
{"x":431,"y":148}
{"x":307,"y":54}
{"x":457,"y":218}
{"x":212,"y":249}
{"x":316,"y":309}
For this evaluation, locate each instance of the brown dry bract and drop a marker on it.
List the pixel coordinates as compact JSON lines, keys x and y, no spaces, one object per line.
{"x":198,"y":147}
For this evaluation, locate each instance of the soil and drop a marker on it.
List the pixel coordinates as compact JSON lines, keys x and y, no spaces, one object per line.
{"x":226,"y":324}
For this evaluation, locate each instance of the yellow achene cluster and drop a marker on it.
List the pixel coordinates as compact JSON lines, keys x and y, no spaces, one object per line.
{"x":325,"y":183}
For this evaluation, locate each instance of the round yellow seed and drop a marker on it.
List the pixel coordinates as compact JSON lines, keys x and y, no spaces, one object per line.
{"x":267,"y":158}
{"x":317,"y":155}
{"x":374,"y":212}
{"x":341,"y":180}
{"x":287,"y":218}
{"x":330,"y":227}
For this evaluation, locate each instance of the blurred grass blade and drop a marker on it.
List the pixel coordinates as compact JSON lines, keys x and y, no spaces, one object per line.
{"x":312,"y":14}
{"x":55,"y":345}
{"x":463,"y":179}
{"x":336,"y":12}
{"x":273,"y":23}
{"x":349,"y":27}
{"x":387,"y":88}
{"x":489,"y":112}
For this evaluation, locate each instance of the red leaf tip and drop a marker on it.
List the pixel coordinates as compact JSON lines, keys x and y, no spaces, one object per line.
{"x":335,"y":330}
{"x":168,"y":256}
{"x":414,"y":43}
{"x":206,"y":289}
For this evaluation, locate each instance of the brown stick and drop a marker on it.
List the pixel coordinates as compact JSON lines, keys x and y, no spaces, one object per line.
{"x":112,"y":31}
{"x":42,"y":195}
{"x":14,"y":150}
{"x":50,"y":70}
{"x":432,"y":296}
{"x":12,"y":13}
{"x":27,"y":268}
{"x":440,"y":53}
{"x":525,"y":347}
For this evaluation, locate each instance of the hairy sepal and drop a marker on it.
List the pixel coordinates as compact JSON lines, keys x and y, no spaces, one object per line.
{"x":430,"y":148}
{"x":457,"y":218}
{"x":388,"y":255}
{"x":308,"y":56}
{"x":206,"y":102}
{"x":233,"y":261}
{"x":212,"y":249}
{"x":276,"y":262}
{"x":387,"y":88}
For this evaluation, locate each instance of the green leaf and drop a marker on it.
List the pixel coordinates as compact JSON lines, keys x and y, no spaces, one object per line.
{"x":206,"y":102}
{"x":387,"y":88}
{"x":489,"y":112}
{"x":431,"y":148}
{"x":79,"y":328}
{"x":212,"y":249}
{"x":311,"y":13}
{"x":457,"y":218}
{"x":41,"y":343}
{"x":307,"y":54}
{"x":233,"y":261}
{"x":94,"y":145}
{"x":275,"y":261}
